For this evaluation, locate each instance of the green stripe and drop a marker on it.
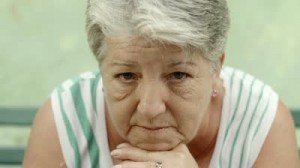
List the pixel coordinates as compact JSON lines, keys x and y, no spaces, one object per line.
{"x":71,"y":134}
{"x":231,"y":84}
{"x":245,"y":112}
{"x":250,"y":123}
{"x":86,"y":127}
{"x":261,"y":118}
{"x":94,"y":85}
{"x":234,"y":115}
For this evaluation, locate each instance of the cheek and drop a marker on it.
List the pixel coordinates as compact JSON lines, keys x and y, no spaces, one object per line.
{"x":120,"y":107}
{"x":115,"y":90}
{"x":190,"y":106}
{"x":194,"y":91}
{"x":189,"y":122}
{"x":120,"y":114}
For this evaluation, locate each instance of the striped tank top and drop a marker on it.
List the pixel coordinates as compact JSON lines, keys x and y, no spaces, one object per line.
{"x":249,"y":108}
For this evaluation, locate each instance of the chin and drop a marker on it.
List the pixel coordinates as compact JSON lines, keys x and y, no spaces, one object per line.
{"x":155,"y":140}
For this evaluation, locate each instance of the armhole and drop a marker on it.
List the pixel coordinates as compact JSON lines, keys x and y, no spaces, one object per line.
{"x":264,"y":125}
{"x":255,"y":134}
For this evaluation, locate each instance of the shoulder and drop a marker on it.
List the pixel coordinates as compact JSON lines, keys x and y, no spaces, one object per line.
{"x":78,"y":111}
{"x":280,"y":146}
{"x":269,"y":121}
{"x":80,"y":81}
{"x":60,"y":124}
{"x":77,"y":92}
{"x":249,"y":108}
{"x":246,"y":93}
{"x":43,"y":141}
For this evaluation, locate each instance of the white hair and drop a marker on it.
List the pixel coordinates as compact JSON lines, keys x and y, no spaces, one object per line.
{"x":196,"y":25}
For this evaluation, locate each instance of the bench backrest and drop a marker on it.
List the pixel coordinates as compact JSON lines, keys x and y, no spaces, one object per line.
{"x":14,"y":116}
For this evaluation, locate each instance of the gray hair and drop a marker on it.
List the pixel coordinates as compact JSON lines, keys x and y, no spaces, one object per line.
{"x":196,"y":25}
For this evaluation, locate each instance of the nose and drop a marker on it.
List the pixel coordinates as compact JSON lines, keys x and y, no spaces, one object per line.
{"x":152,"y":99}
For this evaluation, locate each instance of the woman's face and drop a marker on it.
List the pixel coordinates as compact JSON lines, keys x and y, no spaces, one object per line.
{"x":155,"y":96}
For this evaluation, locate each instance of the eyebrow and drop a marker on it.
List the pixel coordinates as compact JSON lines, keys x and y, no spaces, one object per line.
{"x":134,"y":64}
{"x":126,"y":64}
{"x":178,"y":63}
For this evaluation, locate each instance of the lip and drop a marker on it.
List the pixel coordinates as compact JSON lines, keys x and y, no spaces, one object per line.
{"x":153,"y":134}
{"x":154,"y":128}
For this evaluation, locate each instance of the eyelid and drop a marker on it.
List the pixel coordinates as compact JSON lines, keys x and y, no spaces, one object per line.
{"x":120,"y":76}
{"x":171,"y":76}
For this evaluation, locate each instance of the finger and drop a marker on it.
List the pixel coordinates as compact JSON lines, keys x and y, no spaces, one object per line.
{"x":130,"y":164}
{"x":128,"y":152}
{"x":124,"y":145}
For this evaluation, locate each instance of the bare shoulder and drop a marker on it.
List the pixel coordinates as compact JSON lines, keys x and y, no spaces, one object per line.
{"x":43,"y":148}
{"x":280,"y":147}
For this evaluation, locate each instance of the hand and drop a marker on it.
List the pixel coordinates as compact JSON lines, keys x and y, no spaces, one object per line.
{"x":133,"y":157}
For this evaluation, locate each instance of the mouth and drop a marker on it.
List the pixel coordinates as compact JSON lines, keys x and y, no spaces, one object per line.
{"x":153,"y":130}
{"x":154,"y":137}
{"x":156,"y":128}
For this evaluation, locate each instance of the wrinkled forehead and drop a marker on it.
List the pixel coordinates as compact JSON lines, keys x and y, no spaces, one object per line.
{"x":139,"y":52}
{"x":140,"y":43}
{"x":138,"y":47}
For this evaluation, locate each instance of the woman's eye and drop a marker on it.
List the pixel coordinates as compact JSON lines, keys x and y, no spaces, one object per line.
{"x":127,"y":76}
{"x":178,"y":75}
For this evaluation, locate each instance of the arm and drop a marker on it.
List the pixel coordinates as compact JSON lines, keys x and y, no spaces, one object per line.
{"x":43,"y":148}
{"x":280,"y":148}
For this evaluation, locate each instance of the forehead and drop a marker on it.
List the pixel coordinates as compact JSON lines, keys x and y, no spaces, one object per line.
{"x":139,"y":48}
{"x":138,"y":45}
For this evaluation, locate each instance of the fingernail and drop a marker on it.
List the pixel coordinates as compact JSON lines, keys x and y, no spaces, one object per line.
{"x":115,"y":152}
{"x":117,"y":166}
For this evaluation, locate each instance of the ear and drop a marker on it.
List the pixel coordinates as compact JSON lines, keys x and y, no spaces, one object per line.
{"x":220,"y":64}
{"x":217,"y":82}
{"x":222,"y":58}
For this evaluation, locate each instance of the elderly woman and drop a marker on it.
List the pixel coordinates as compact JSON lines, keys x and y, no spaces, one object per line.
{"x":162,"y":98}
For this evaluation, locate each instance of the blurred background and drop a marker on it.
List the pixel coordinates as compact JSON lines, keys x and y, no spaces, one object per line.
{"x":43,"y":42}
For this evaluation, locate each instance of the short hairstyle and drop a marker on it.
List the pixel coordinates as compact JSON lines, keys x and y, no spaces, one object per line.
{"x":196,"y":25}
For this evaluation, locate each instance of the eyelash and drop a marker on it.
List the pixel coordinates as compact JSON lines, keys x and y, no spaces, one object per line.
{"x":128,"y":77}
{"x":183,"y":76}
{"x":122,"y":77}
